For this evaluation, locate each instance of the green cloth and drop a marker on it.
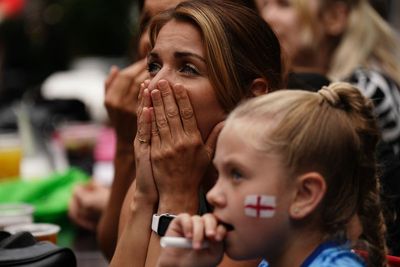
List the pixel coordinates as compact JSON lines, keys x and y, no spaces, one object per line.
{"x":49,"y":196}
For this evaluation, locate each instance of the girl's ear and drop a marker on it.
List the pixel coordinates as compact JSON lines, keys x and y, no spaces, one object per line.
{"x":335,"y":18}
{"x":309,"y":191}
{"x":259,"y":87}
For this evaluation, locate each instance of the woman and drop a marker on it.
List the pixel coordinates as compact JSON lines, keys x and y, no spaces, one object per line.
{"x":122,"y":89}
{"x":347,"y":40}
{"x":205,"y":57}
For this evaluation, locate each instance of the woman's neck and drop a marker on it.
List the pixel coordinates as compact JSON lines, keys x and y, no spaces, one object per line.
{"x":315,"y":60}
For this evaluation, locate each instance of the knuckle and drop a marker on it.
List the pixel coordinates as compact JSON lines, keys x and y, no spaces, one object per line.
{"x":180,"y":146}
{"x":187,"y":113}
{"x":168,"y":153}
{"x":165,"y":93}
{"x":172,"y":112}
{"x":196,"y":141}
{"x":162,"y":123}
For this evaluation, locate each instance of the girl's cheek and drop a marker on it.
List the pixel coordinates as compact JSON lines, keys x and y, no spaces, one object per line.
{"x":259,"y":206}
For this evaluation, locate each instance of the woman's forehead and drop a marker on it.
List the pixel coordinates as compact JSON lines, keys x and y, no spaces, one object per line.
{"x":180,"y":35}
{"x":153,"y":7}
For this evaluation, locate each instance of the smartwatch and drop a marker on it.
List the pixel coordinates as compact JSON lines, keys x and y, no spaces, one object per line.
{"x":160,"y":223}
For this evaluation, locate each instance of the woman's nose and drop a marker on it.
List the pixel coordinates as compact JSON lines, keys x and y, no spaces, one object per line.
{"x":163,"y":74}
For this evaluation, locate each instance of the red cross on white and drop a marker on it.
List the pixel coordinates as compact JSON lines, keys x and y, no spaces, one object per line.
{"x":259,"y":206}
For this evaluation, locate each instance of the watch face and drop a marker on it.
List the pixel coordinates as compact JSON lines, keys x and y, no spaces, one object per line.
{"x":163,"y":224}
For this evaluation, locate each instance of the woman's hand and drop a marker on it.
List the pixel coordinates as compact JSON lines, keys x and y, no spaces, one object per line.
{"x":121,"y":98}
{"x":197,"y":229}
{"x":145,"y":185}
{"x":178,"y":155}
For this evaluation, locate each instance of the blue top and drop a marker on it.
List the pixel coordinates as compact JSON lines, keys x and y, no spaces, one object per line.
{"x":330,"y":254}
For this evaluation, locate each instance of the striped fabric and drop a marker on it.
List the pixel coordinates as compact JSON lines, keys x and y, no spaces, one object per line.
{"x":385,"y":94}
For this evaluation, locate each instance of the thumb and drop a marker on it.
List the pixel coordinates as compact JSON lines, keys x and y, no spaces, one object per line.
{"x":211,"y":141}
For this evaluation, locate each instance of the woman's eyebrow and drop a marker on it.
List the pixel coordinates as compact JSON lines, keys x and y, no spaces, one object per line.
{"x":188,"y":54}
{"x":153,"y":55}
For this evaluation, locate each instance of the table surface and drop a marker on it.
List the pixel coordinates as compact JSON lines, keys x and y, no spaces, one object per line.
{"x":86,"y":250}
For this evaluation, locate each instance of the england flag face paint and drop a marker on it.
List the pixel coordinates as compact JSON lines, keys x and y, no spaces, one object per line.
{"x":260,"y":206}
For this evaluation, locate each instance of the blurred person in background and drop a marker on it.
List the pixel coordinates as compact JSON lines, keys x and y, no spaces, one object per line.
{"x":348,"y":40}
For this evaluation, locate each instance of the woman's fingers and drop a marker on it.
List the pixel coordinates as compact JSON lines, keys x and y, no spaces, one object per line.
{"x":143,"y":135}
{"x":155,"y":138}
{"x":144,"y":99}
{"x":160,"y":117}
{"x":186,"y":111}
{"x":171,"y":108}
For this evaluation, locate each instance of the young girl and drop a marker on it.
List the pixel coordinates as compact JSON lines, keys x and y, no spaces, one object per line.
{"x":348,"y":40}
{"x":295,"y":168}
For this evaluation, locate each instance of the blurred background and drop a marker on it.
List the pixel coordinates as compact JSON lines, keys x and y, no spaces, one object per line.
{"x":54,"y":58}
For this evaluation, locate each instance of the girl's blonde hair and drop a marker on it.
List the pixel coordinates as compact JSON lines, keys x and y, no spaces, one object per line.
{"x":368,"y":40}
{"x":239,"y":46}
{"x":333,"y":132}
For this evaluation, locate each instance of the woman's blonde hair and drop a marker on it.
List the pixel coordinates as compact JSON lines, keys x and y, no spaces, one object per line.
{"x":333,"y":132}
{"x":368,"y":40}
{"x":239,"y":46}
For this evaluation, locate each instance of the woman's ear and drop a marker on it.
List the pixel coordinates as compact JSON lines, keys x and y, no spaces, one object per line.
{"x":309,"y":192}
{"x":335,"y":18}
{"x":259,"y":87}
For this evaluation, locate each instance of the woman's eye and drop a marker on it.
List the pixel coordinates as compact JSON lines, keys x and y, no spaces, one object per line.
{"x":153,"y":68}
{"x":189,"y":69}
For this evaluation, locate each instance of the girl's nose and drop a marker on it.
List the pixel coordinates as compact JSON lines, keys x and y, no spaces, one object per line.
{"x":216,"y":196}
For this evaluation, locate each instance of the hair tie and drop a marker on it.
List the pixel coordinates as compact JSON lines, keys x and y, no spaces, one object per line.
{"x":329,"y":95}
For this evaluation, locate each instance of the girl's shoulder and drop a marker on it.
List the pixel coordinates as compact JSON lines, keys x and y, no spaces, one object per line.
{"x":332,"y":254}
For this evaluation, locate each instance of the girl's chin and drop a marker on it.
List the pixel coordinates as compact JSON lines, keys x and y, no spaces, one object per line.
{"x":232,"y":248}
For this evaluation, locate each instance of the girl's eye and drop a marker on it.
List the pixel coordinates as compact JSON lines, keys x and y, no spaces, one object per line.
{"x":236,"y":175}
{"x":189,"y":69}
{"x":153,"y":68}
